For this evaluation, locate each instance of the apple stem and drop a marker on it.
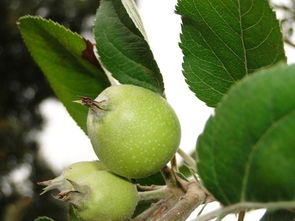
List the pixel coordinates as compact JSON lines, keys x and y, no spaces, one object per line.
{"x":194,"y":197}
{"x":187,"y":159}
{"x":149,"y":188}
{"x":153,"y":194}
{"x":241,"y":215}
{"x":173,"y":163}
{"x":170,"y":179}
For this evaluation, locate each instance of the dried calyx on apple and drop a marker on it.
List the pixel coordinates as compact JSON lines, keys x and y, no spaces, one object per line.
{"x":133,"y":130}
{"x":95,"y":193}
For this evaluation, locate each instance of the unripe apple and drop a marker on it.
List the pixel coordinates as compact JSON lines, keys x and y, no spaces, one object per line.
{"x":73,"y":172}
{"x":133,"y":130}
{"x":95,"y":193}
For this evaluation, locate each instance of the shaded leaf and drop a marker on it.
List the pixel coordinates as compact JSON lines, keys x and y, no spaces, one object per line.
{"x":66,"y":60}
{"x":222,"y":41}
{"x":155,"y":179}
{"x":246,"y":152}
{"x":123,"y":49}
{"x":278,"y":215}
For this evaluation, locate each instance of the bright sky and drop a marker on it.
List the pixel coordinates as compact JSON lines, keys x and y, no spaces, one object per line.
{"x":62,"y":142}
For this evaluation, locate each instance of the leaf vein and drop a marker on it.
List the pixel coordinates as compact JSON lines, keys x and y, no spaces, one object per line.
{"x":256,"y":23}
{"x":221,"y":40}
{"x":130,"y":59}
{"x":253,"y":150}
{"x":214,"y":53}
{"x":263,"y":41}
{"x":249,"y":9}
{"x":205,"y":83}
{"x":219,"y":15}
{"x":242,"y":39}
{"x":233,"y":15}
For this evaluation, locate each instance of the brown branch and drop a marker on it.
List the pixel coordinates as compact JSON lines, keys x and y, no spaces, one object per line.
{"x":145,"y":215}
{"x":170,"y":178}
{"x":234,"y":208}
{"x":177,"y":206}
{"x":241,"y":215}
{"x":290,"y":43}
{"x":148,"y":188}
{"x":194,"y":197}
{"x":154,"y":194}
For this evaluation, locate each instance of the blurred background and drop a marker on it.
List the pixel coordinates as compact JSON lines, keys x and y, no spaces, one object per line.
{"x":38,"y":138}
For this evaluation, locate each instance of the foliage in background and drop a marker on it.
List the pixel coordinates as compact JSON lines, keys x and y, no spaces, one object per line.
{"x":67,"y":60}
{"x":22,"y":88}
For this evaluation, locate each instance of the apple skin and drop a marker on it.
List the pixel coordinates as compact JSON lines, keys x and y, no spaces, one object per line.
{"x":109,"y":198}
{"x":79,"y":169}
{"x":135,"y":132}
{"x":94,"y":192}
{"x":73,"y":172}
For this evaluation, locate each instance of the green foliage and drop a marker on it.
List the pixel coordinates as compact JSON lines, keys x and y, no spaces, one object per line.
{"x":246,"y":152}
{"x":155,"y":179}
{"x":123,"y":48}
{"x":278,"y":215}
{"x":67,"y":60}
{"x":222,"y":41}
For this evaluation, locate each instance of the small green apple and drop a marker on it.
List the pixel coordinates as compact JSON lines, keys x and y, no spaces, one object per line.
{"x":105,"y":196}
{"x":95,"y":193}
{"x":133,"y":130}
{"x":73,"y":172}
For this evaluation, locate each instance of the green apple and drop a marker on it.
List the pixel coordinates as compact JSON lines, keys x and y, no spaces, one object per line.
{"x":73,"y":172}
{"x":106,"y":197}
{"x":95,"y":193}
{"x":133,"y":130}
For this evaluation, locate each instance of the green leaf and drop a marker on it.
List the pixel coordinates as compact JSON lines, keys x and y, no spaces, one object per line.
{"x":155,"y":179}
{"x":68,"y":62}
{"x":43,"y":218}
{"x":246,"y":152}
{"x":222,"y":41}
{"x":123,"y":49}
{"x":278,"y":215}
{"x":131,"y":8}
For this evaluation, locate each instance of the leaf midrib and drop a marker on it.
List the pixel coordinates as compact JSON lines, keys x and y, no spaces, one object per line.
{"x":221,"y":39}
{"x":132,"y":61}
{"x":135,"y":31}
{"x":242,"y":39}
